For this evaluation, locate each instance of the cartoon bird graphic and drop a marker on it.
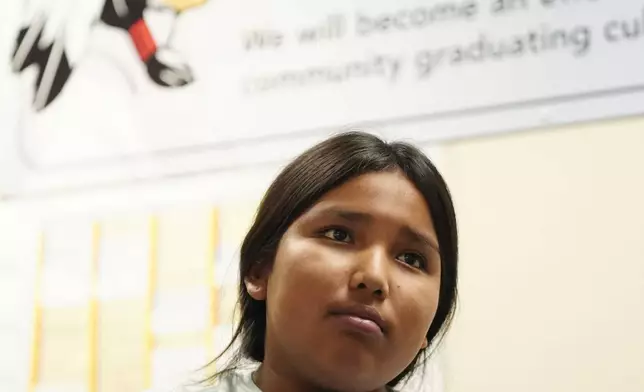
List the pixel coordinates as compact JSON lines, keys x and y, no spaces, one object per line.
{"x":47,"y":41}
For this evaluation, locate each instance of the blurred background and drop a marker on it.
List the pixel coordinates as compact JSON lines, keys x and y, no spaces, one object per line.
{"x":137,"y":137}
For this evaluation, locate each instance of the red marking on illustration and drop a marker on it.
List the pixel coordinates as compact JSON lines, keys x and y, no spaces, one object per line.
{"x":142,"y":39}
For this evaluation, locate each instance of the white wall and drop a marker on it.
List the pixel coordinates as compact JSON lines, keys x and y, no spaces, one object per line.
{"x":19,"y":227}
{"x":552,"y":268}
{"x":17,"y":264}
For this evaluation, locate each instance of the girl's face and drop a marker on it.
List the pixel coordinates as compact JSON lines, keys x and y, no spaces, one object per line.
{"x":354,"y":286}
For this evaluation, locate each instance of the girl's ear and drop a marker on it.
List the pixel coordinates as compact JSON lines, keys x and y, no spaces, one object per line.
{"x":257,"y":281}
{"x":425,"y":344}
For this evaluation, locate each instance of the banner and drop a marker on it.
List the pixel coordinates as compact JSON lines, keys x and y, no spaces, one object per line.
{"x":172,"y":86}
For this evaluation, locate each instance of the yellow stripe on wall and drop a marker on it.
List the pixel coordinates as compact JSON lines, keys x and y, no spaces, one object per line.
{"x":92,"y":376}
{"x":37,"y":324}
{"x":152,"y":282}
{"x":213,"y":242}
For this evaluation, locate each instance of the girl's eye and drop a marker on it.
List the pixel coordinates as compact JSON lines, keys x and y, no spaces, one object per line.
{"x":338,"y":235}
{"x":413,"y":260}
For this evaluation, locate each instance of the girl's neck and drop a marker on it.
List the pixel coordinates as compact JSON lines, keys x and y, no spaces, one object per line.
{"x":269,"y":379}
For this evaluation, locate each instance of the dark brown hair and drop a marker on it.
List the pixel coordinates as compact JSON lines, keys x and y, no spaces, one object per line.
{"x":299,"y":186}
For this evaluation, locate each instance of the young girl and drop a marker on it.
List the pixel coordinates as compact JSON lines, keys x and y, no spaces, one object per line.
{"x":348,"y":273}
